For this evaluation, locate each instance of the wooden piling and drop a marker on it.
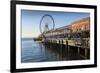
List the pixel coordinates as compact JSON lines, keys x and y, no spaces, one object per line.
{"x":78,"y":51}
{"x":86,"y":53}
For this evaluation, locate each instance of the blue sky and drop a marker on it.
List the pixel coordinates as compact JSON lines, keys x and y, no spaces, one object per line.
{"x":30,"y":20}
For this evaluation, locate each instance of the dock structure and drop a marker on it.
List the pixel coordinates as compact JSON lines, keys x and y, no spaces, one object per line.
{"x":76,"y":34}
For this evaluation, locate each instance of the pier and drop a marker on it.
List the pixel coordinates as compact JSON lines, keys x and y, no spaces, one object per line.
{"x":76,"y":35}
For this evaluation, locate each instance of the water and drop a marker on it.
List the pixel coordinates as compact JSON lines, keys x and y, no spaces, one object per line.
{"x":34,"y":51}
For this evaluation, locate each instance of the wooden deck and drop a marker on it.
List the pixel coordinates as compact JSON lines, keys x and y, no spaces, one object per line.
{"x":84,"y":43}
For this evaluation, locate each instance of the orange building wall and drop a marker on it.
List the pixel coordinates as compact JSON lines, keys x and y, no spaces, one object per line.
{"x":82,"y":25}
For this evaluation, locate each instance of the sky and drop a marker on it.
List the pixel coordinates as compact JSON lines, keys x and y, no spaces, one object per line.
{"x":30,"y":20}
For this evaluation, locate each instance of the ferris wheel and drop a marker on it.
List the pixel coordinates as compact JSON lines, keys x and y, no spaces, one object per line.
{"x":46,"y":24}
